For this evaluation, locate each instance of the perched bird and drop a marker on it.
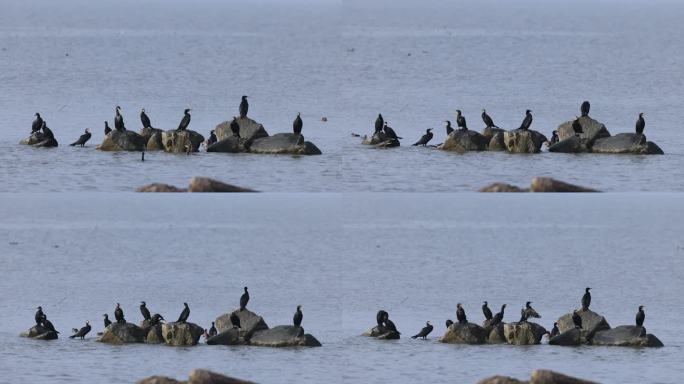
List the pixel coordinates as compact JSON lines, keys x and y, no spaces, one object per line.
{"x":48,"y":325}
{"x":640,"y":317}
{"x":212,"y":330}
{"x":586,"y":299}
{"x":461,"y":121}
{"x":185,"y":121}
{"x":107,"y":322}
{"x":244,"y":299}
{"x":379,"y":123}
{"x":40,"y":316}
{"x":448,"y":323}
{"x":235,"y":320}
{"x":298,"y":316}
{"x":424,"y":332}
{"x":577,"y":126}
{"x":235,"y":127}
{"x":489,"y":123}
{"x":449,"y":129}
{"x":107,"y":129}
{"x":83,"y":139}
{"x":297,"y":125}
{"x":486,"y":311}
{"x":554,"y":138}
{"x":145,"y":312}
{"x":156,"y":318}
{"x":425,"y":138}
{"x":47,"y":131}
{"x":144,"y":119}
{"x":577,"y":319}
{"x":527,"y":121}
{"x":82,"y":332}
{"x":584,"y":108}
{"x":119,"y":314}
{"x":212,"y":138}
{"x":389,"y":324}
{"x":460,"y":314}
{"x":37,"y":123}
{"x":528,"y":312}
{"x":185,"y":314}
{"x":640,"y":124}
{"x":390,"y":132}
{"x":118,"y":120}
{"x":554,"y":331}
{"x":380,"y":317}
{"x":244,"y":107}
{"x":498,"y":318}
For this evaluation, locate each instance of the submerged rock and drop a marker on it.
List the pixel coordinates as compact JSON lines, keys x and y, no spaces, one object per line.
{"x":592,"y":322}
{"x":120,"y":333}
{"x":175,"y":141}
{"x":284,"y":143}
{"x":160,"y":187}
{"x":523,"y":141}
{"x":181,"y":334}
{"x":523,"y":333}
{"x":543,"y":376}
{"x":626,"y":143}
{"x":205,"y":184}
{"x":283,"y":336}
{"x":35,"y":138}
{"x":463,"y":141}
{"x":573,"y":144}
{"x":591,"y":130}
{"x":250,"y":322}
{"x":626,"y":336}
{"x":382,"y":333}
{"x":469,"y":333}
{"x":122,"y":141}
{"x":502,"y":187}
{"x":249,"y":130}
{"x":38,"y":332}
{"x":197,"y":376}
{"x":230,"y":144}
{"x":231,"y":336}
{"x":547,"y":184}
{"x":571,"y":337}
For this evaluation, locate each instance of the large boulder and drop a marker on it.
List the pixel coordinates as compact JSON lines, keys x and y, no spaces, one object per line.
{"x":230,"y":144}
{"x":382,"y":333}
{"x":490,"y":132}
{"x":175,"y":141}
{"x":591,"y":130}
{"x":496,"y":143}
{"x":250,"y":322}
{"x":543,"y":376}
{"x":626,"y":143}
{"x":231,"y":336}
{"x":147,"y":133}
{"x":35,"y":138}
{"x":490,"y":380}
{"x":626,"y":336}
{"x":122,"y":141}
{"x":159,"y":380}
{"x":123,"y":333}
{"x":524,"y":333}
{"x":159,"y":187}
{"x":284,"y":143}
{"x":523,"y":141}
{"x":465,"y":140}
{"x":155,"y":142}
{"x":249,"y":129}
{"x":380,"y":139}
{"x":283,"y":336}
{"x":496,"y":334}
{"x":572,"y":337}
{"x":573,"y":144}
{"x":469,"y":333}
{"x":502,"y":187}
{"x":592,"y":322}
{"x":181,"y":334}
{"x":38,"y":332}
{"x":547,"y":184}
{"x":154,"y":334}
{"x":202,"y":376}
{"x":205,"y":184}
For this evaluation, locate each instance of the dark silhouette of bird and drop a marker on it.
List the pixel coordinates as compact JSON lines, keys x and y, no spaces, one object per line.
{"x":586,"y":299}
{"x":107,"y":322}
{"x":380,"y":317}
{"x":489,"y":123}
{"x":244,"y":299}
{"x":527,"y":121}
{"x":235,"y":320}
{"x":212,"y":138}
{"x":577,"y":126}
{"x":554,"y":331}
{"x":448,"y":323}
{"x":144,"y":119}
{"x":486,"y":311}
{"x":577,"y":319}
{"x":107,"y":129}
{"x":48,"y":325}
{"x":297,"y":125}
{"x":528,"y":312}
{"x":40,"y":316}
{"x":185,"y":121}
{"x":37,"y":123}
{"x":424,"y":332}
{"x":81,"y":332}
{"x":498,"y":318}
{"x":379,"y":123}
{"x":584,"y":108}
{"x":119,"y":314}
{"x":389,"y":324}
{"x":390,"y":132}
{"x":118,"y":120}
{"x":244,"y":107}
{"x":460,"y":314}
{"x":640,"y":124}
{"x":185,"y":314}
{"x":461,"y":121}
{"x":298,"y":316}
{"x":449,"y":129}
{"x":83,"y":139}
{"x":640,"y":317}
{"x":156,"y":318}
{"x":235,"y":127}
{"x":145,"y":312}
{"x":554,"y":138}
{"x":425,"y":138}
{"x":212,"y":330}
{"x":47,"y":131}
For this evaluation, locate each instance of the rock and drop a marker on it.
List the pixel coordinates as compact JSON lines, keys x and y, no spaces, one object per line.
{"x":205,"y":184}
{"x":147,"y":133}
{"x":523,"y":141}
{"x":542,"y":376}
{"x":525,"y":333}
{"x":462,"y":141}
{"x":175,"y":141}
{"x":468,"y":333}
{"x":501,"y":380}
{"x":629,"y":143}
{"x":181,"y":334}
{"x":592,"y":322}
{"x":377,"y":138}
{"x":547,"y":184}
{"x":155,"y":142}
{"x":249,"y":130}
{"x":284,"y":143}
{"x":496,"y":334}
{"x":497,"y":142}
{"x":39,"y":333}
{"x":571,"y":337}
{"x":382,"y":333}
{"x":490,"y":132}
{"x":230,"y":144}
{"x":572,"y":144}
{"x":502,"y":187}
{"x":35,"y":138}
{"x":202,"y":376}
{"x":626,"y":336}
{"x":231,"y":336}
{"x":154,"y":334}
{"x":118,"y":333}
{"x":283,"y":336}
{"x":249,"y":321}
{"x":158,"y":380}
{"x":591,"y":130}
{"x":159,"y":187}
{"x":122,"y":141}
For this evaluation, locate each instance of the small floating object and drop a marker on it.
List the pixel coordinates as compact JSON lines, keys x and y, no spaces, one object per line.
{"x":324,"y":119}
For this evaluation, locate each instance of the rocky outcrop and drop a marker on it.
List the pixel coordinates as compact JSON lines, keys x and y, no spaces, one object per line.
{"x":205,"y":184}
{"x":626,"y":143}
{"x":175,"y":141}
{"x":155,"y":142}
{"x":159,"y":380}
{"x":523,"y":141}
{"x":250,"y":322}
{"x":380,"y":139}
{"x":382,"y":333}
{"x":547,"y":184}
{"x":490,"y":132}
{"x":573,"y":144}
{"x":523,"y":333}
{"x":284,"y":143}
{"x":570,"y":338}
{"x":159,"y":187}
{"x":123,"y":333}
{"x":540,"y":376}
{"x":626,"y":336}
{"x":249,"y":130}
{"x":38,"y":332}
{"x":469,"y":333}
{"x":181,"y":334}
{"x":592,"y":322}
{"x":232,"y":336}
{"x":35,"y":138}
{"x":496,"y":143}
{"x":197,"y":376}
{"x":230,"y":144}
{"x":147,"y":133}
{"x":465,"y":140}
{"x":496,"y":334}
{"x":154,"y":334}
{"x":499,"y":380}
{"x":283,"y":336}
{"x":502,"y":187}
{"x":122,"y":141}
{"x":591,"y":130}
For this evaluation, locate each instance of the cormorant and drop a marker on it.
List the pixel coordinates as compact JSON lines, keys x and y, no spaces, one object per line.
{"x":461,"y":121}
{"x":528,"y":312}
{"x":640,"y":317}
{"x":212,"y":330}
{"x":83,"y":139}
{"x":554,"y":331}
{"x":37,"y":123}
{"x":107,"y":129}
{"x":448,"y":323}
{"x":235,"y":127}
{"x":448,"y":127}
{"x":82,"y":332}
{"x":144,"y":119}
{"x":47,"y":131}
{"x":235,"y":320}
{"x":119,"y":314}
{"x":499,"y":316}
{"x":107,"y":322}
{"x":554,"y":138}
{"x":185,"y":314}
{"x":586,"y":299}
{"x":244,"y":299}
{"x":390,"y":132}
{"x":297,"y":318}
{"x":118,"y":120}
{"x":297,"y":125}
{"x":145,"y":312}
{"x":185,"y":121}
{"x":585,"y":108}
{"x":576,"y":319}
{"x":460,"y":314}
{"x":48,"y":325}
{"x":423,"y":332}
{"x":380,"y":317}
{"x":40,"y":316}
{"x":379,"y":123}
{"x":488,"y":120}
{"x":156,"y":318}
{"x":389,"y":324}
{"x":212,"y":138}
{"x":577,"y":126}
{"x":527,"y":121}
{"x":244,"y":107}
{"x":486,"y":311}
{"x":640,"y":124}
{"x":425,"y":138}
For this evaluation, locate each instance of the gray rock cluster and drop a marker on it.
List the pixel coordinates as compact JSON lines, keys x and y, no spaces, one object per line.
{"x":595,"y":138}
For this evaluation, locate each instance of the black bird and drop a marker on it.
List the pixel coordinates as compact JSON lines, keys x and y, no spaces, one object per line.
{"x":448,"y":323}
{"x":554,"y":138}
{"x":48,"y":325}
{"x":145,"y":312}
{"x":390,"y":132}
{"x":119,"y":314}
{"x":486,"y":311}
{"x":577,"y":319}
{"x":389,"y":324}
{"x":449,"y":129}
{"x":640,"y":124}
{"x":156,"y":318}
{"x":297,"y":318}
{"x":185,"y":121}
{"x":640,"y":317}
{"x":380,"y":317}
{"x":107,"y":322}
{"x":244,"y":299}
{"x":144,"y":119}
{"x":528,"y":312}
{"x":460,"y":314}
{"x":81,"y":332}
{"x":185,"y":314}
{"x":577,"y":126}
{"x":244,"y":107}
{"x":47,"y":131}
{"x":212,"y":138}
{"x":423,"y":332}
{"x":118,"y":120}
{"x":107,"y":129}
{"x":584,"y":108}
{"x":554,"y":331}
{"x":40,"y":316}
{"x":212,"y":330}
{"x":379,"y":123}
{"x":235,"y":127}
{"x":37,"y":123}
{"x":499,"y":316}
{"x":235,"y":320}
{"x":586,"y":299}
{"x":83,"y":139}
{"x":297,"y":125}
{"x":425,"y":138}
{"x":488,"y":120}
{"x":461,"y":121}
{"x":527,"y":121}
